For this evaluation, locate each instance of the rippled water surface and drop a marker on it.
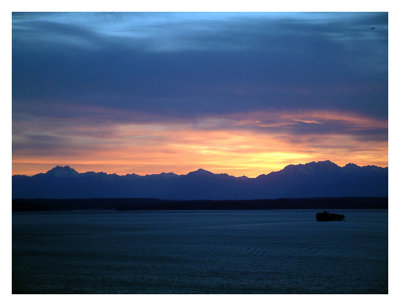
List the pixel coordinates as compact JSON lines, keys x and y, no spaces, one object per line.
{"x":276,"y":251}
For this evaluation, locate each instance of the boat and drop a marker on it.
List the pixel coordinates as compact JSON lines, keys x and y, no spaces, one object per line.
{"x":326,"y":216}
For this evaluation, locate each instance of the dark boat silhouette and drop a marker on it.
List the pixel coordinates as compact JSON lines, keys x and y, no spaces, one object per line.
{"x":326,"y":216}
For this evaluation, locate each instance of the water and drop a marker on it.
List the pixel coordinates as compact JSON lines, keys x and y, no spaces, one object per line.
{"x":276,"y":251}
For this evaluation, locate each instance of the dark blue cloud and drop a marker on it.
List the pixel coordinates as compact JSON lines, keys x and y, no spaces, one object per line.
{"x":185,"y":65}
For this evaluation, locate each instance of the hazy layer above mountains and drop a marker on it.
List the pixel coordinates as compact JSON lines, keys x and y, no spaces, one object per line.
{"x":315,"y":179}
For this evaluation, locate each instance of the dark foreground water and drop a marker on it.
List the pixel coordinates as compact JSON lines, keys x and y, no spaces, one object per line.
{"x":276,"y":251}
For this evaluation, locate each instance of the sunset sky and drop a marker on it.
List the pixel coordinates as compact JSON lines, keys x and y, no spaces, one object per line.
{"x":236,"y":93}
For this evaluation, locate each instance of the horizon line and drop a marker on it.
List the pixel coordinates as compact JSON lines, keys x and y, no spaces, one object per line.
{"x":199,"y":169}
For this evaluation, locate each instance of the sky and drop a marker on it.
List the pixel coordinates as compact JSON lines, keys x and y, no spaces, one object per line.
{"x":237,"y":93}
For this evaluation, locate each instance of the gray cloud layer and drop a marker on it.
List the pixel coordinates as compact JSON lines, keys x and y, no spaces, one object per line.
{"x":185,"y":65}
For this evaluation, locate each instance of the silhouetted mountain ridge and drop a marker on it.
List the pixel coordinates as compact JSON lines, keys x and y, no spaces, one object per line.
{"x":314,"y":179}
{"x":60,"y":171}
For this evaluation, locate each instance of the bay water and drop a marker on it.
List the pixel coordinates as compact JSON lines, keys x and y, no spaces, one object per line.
{"x":197,"y":251}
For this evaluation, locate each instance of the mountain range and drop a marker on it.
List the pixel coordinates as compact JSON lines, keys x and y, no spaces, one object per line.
{"x":315,"y":179}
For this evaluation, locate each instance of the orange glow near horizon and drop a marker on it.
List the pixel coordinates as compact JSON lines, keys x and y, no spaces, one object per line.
{"x":243,"y":144}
